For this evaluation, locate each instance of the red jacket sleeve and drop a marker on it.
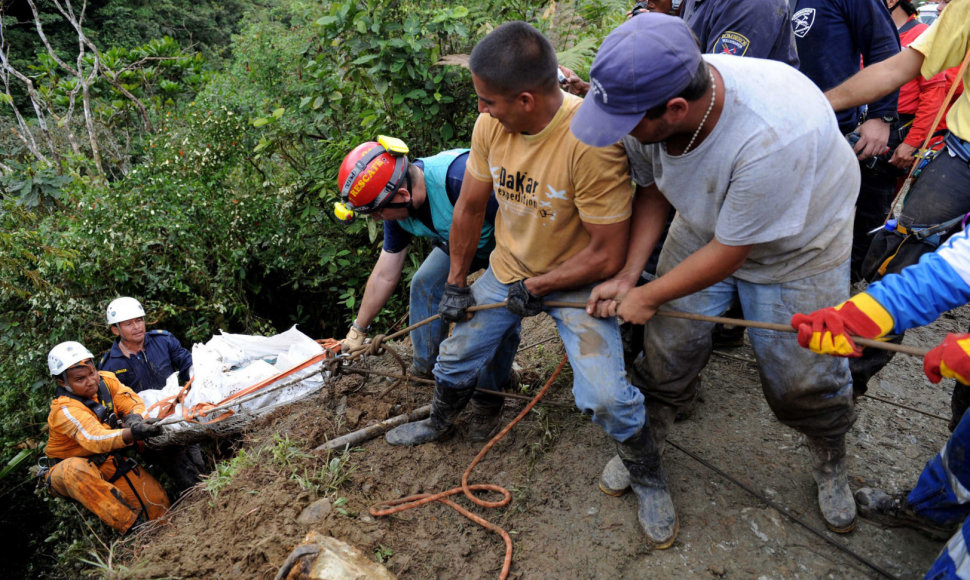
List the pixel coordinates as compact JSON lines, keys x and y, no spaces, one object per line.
{"x":931,"y":94}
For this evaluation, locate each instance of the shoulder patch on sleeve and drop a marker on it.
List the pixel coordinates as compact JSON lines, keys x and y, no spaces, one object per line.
{"x":731,"y":43}
{"x":162,"y":332}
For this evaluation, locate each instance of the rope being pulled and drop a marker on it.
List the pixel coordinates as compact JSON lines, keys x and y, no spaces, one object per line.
{"x":378,"y":346}
{"x":378,"y":340}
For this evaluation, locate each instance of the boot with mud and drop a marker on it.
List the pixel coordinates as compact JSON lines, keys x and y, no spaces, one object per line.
{"x":486,"y":411}
{"x":655,"y":509}
{"x":417,"y":373}
{"x":834,"y":496}
{"x":615,"y":479}
{"x":894,"y":511}
{"x":445,"y":407}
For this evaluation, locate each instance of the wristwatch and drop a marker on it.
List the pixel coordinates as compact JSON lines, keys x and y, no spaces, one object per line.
{"x":890,"y":119}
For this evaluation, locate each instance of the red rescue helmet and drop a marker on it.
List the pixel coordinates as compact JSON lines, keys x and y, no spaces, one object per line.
{"x":371,"y":173}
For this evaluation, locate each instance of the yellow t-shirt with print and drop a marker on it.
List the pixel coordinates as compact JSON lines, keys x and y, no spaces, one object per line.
{"x":547,"y":185}
{"x":944,"y":45}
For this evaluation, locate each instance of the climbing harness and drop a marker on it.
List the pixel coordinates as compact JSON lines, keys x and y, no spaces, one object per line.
{"x":103,"y":408}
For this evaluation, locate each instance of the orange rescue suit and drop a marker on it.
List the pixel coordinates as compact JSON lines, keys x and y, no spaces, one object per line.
{"x":78,"y":438}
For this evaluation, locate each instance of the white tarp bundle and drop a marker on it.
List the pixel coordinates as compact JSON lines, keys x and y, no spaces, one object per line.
{"x":229,"y":363}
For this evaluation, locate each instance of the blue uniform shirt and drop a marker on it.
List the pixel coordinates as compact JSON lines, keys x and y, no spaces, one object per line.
{"x":163,"y":355}
{"x":398,"y":234}
{"x":754,"y":28}
{"x":834,"y":35}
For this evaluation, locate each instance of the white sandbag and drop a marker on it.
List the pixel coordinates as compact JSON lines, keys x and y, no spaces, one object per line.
{"x":229,"y":363}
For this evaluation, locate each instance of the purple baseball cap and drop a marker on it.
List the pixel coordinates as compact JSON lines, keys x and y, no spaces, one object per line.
{"x":646,"y":61}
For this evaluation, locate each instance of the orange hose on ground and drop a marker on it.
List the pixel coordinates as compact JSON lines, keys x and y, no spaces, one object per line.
{"x":406,"y":503}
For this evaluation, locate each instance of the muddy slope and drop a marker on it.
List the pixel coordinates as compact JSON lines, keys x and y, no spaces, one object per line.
{"x":561,"y":524}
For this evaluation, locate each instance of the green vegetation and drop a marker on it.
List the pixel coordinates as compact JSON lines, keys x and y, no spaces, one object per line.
{"x":185,"y":153}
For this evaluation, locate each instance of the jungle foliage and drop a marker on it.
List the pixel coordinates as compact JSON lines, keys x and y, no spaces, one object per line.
{"x":157,"y":157}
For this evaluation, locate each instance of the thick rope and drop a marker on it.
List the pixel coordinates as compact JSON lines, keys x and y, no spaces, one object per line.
{"x":387,"y":508}
{"x":378,"y":346}
{"x":867,"y":342}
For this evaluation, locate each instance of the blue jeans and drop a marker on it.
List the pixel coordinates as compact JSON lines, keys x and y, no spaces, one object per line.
{"x":806,"y":391}
{"x":595,"y":352}
{"x":427,"y":286}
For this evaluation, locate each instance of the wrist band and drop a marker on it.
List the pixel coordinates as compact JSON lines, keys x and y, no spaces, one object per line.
{"x":359,"y":328}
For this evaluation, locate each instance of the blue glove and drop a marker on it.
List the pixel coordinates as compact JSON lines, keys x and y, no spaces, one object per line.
{"x":455,"y":302}
{"x":522,"y":302}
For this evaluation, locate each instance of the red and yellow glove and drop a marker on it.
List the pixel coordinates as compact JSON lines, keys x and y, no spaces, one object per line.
{"x":950,"y":358}
{"x":827,"y":331}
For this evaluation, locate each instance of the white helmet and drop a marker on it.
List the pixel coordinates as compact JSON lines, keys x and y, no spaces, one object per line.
{"x":66,"y":355}
{"x":124,"y":308}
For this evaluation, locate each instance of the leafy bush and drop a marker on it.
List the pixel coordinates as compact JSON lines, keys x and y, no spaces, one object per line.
{"x":220,"y":215}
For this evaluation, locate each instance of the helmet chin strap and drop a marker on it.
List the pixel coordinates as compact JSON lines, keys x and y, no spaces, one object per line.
{"x":66,"y":386}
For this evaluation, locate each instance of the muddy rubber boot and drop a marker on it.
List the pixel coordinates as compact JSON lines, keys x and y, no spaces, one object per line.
{"x":484,"y":418}
{"x":445,"y":407}
{"x":895,"y":511}
{"x":486,"y":411}
{"x":615,"y":479}
{"x":834,"y":496}
{"x":655,"y":508}
{"x":417,"y":373}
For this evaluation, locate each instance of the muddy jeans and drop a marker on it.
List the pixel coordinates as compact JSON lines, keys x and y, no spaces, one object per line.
{"x":427,"y":286}
{"x":595,"y":353}
{"x":806,"y":391}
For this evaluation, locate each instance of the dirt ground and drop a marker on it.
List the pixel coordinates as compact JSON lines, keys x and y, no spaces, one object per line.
{"x":560,"y":523}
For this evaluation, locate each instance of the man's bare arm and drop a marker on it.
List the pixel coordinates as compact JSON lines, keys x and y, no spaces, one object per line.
{"x":705,"y":267}
{"x":466,"y":227}
{"x":877,"y":80}
{"x":601,"y":258}
{"x":380,"y":286}
{"x":650,"y":211}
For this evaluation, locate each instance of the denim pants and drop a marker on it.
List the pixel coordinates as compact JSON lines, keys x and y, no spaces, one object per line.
{"x":942,"y":494}
{"x":806,"y":391}
{"x":600,"y":388}
{"x":427,"y":286}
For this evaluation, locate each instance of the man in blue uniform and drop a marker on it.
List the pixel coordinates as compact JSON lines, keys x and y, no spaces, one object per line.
{"x":756,"y":28}
{"x":833,"y":37}
{"x":143,"y":360}
{"x":417,"y":199}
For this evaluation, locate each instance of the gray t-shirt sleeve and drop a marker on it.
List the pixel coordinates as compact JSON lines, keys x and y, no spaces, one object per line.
{"x":641,"y":161}
{"x":769,"y":194}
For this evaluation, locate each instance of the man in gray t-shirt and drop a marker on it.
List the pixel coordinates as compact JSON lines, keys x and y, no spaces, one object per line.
{"x":749,"y":154}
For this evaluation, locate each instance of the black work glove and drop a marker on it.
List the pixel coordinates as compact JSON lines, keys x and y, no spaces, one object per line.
{"x":523,"y":302}
{"x":145,"y":430}
{"x":455,"y":303}
{"x":131,"y":419}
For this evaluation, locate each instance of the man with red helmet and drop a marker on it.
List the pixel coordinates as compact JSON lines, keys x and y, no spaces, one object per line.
{"x":417,"y":199}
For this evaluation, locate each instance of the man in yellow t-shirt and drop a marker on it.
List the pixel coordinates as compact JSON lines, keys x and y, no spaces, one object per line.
{"x":940,"y":197}
{"x":562,"y":225}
